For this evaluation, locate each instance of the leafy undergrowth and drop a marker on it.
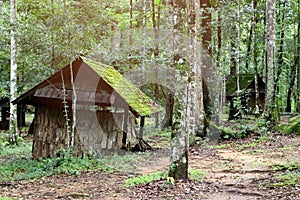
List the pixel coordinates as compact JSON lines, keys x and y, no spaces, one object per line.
{"x":288,"y":174}
{"x":16,"y":162}
{"x":196,"y":175}
{"x":6,"y":198}
{"x":20,"y":168}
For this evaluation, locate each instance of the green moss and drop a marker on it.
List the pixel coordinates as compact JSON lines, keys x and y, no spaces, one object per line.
{"x":135,"y":98}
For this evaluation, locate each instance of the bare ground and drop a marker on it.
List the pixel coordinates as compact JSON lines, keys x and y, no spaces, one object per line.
{"x":240,"y":171}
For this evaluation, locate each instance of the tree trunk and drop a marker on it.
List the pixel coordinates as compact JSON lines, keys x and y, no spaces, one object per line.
{"x":293,"y":72}
{"x":255,"y":56}
{"x":155,"y":23}
{"x":206,"y":27}
{"x":189,"y":101}
{"x":250,"y":39}
{"x":13,"y":128}
{"x":298,"y":66}
{"x":168,"y":119}
{"x":130,"y":22}
{"x":233,"y":51}
{"x":271,"y":109}
{"x":281,"y":49}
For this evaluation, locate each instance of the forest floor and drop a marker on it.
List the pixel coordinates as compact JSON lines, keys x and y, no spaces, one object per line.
{"x":251,"y":168}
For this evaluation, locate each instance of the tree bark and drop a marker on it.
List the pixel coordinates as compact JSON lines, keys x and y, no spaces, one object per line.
{"x":298,"y":66}
{"x":190,"y":101}
{"x":130,"y":21}
{"x":281,"y":49}
{"x":294,"y":70}
{"x":255,"y":56}
{"x":271,"y":110}
{"x":13,"y":128}
{"x":233,"y":59}
{"x":205,"y":5}
{"x":168,"y":119}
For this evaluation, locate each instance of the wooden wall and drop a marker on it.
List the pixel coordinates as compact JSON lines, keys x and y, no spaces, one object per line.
{"x":95,"y":131}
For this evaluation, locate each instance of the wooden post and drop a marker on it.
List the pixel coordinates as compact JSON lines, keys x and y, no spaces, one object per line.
{"x":142,"y":123}
{"x":125,"y":127}
{"x":21,"y":115}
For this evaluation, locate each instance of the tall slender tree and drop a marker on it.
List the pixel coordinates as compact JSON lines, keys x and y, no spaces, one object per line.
{"x":13,"y":73}
{"x":271,"y":110}
{"x":298,"y":62}
{"x":190,"y":100}
{"x":255,"y":55}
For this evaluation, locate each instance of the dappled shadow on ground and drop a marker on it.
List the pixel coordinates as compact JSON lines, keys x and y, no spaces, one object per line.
{"x":240,"y":169}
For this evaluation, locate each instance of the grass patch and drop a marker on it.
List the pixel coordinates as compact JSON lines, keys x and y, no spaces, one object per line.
{"x":144,"y":179}
{"x":6,"y":198}
{"x":288,"y":179}
{"x":290,"y":176}
{"x":197,"y":175}
{"x":287,"y":166}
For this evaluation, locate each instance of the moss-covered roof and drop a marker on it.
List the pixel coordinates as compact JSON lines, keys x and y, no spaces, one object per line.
{"x":245,"y":81}
{"x":135,"y":98}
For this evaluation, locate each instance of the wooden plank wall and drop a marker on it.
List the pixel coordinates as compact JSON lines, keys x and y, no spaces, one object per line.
{"x":95,"y":131}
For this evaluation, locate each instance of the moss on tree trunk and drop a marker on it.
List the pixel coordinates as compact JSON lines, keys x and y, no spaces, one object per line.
{"x":179,"y":169}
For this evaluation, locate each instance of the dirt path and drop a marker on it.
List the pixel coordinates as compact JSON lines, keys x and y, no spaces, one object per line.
{"x":241,"y":171}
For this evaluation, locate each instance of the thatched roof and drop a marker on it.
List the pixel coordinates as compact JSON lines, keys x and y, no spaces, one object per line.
{"x":95,"y":84}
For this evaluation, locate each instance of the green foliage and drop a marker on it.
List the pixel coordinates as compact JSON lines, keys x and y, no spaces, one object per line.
{"x":287,"y":166}
{"x":293,"y":126}
{"x":19,"y":168}
{"x":237,"y":132}
{"x":16,"y":162}
{"x":262,"y":126}
{"x":288,"y":179}
{"x":7,"y":150}
{"x":144,"y":179}
{"x":290,"y":176}
{"x":197,"y":175}
{"x":245,"y":127}
{"x":6,"y":198}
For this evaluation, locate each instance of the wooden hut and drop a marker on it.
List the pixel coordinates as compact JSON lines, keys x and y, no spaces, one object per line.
{"x":4,"y":114}
{"x":86,"y":105}
{"x":247,"y":94}
{"x":4,"y":118}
